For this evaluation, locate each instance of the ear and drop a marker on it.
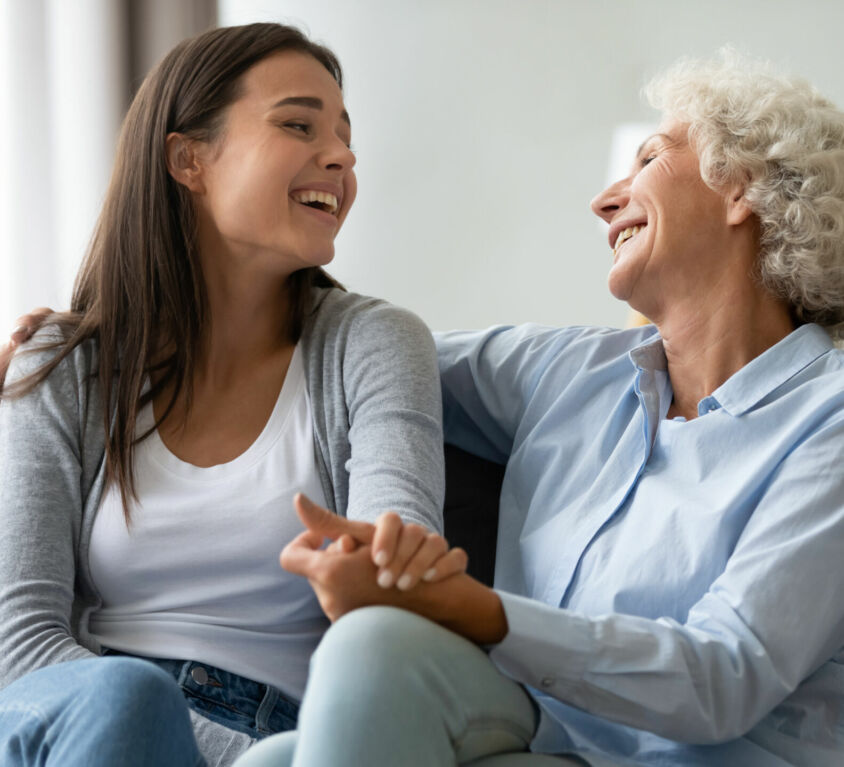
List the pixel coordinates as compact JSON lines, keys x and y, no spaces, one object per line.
{"x":738,"y":211}
{"x":183,"y":162}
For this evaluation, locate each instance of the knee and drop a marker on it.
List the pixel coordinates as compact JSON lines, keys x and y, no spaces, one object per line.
{"x":370,"y":630}
{"x":128,"y":687}
{"x":98,"y":704}
{"x":375,"y":645}
{"x":137,"y":682}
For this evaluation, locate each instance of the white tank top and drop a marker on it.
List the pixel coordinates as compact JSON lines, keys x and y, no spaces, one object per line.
{"x":196,"y":576}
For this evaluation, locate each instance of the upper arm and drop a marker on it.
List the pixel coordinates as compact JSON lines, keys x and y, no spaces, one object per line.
{"x":489,"y":377}
{"x":393,"y":398}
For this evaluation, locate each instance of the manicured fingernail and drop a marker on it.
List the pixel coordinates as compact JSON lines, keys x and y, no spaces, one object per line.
{"x":385,"y":579}
{"x":429,"y":575}
{"x":381,"y":558}
{"x":404,"y":582}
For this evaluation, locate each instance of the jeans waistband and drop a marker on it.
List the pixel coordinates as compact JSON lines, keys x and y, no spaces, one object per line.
{"x":232,"y":700}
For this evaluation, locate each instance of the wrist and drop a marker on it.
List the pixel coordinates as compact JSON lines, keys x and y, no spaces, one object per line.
{"x":468,"y":608}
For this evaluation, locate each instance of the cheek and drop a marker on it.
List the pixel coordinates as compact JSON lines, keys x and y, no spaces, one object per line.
{"x":350,"y":191}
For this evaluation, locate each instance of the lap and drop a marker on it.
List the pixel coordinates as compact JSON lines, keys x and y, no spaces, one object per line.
{"x":434,"y":696}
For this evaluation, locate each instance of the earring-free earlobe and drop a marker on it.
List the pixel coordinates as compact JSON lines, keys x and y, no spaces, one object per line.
{"x":182,"y":162}
{"x":738,"y":209}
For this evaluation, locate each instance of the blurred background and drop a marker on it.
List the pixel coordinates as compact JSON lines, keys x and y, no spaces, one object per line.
{"x":482,"y":130}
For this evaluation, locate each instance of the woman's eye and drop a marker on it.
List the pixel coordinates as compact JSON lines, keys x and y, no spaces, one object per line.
{"x":297,"y":126}
{"x":647,"y":159}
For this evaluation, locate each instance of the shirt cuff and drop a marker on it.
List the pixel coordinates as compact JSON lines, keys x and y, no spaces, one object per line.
{"x":546,"y":647}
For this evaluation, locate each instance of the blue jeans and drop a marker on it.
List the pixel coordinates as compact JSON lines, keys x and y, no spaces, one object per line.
{"x":103,"y":710}
{"x":98,"y":712}
{"x":387,"y":687}
{"x":231,"y":700}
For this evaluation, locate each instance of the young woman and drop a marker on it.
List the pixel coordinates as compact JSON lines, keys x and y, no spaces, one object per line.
{"x":152,"y":439}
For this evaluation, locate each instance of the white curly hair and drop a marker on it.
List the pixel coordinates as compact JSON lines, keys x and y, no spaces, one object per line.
{"x":785,"y":142}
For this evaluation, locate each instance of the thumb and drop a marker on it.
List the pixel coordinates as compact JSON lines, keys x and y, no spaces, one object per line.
{"x":301,"y":553}
{"x":322,"y":521}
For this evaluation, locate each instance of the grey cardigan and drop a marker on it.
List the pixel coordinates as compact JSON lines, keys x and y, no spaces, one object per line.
{"x":371,"y":371}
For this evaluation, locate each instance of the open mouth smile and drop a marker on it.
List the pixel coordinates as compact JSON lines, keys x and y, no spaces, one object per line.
{"x":626,"y":234}
{"x":324,"y":201}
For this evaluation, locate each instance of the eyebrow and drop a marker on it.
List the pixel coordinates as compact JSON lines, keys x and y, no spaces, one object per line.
{"x":649,"y":138}
{"x":311,"y":102}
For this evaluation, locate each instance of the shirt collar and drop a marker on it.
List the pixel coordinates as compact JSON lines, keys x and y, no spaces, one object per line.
{"x":758,"y":378}
{"x":649,"y":354}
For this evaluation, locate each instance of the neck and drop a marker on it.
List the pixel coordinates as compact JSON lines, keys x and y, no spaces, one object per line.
{"x":248,"y":317}
{"x":707,"y":343}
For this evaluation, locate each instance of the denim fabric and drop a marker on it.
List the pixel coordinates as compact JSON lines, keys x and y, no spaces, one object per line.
{"x":113,"y":712}
{"x":231,"y":700}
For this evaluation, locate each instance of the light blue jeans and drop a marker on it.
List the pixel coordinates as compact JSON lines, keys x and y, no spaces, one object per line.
{"x":101,"y":712}
{"x":387,"y":687}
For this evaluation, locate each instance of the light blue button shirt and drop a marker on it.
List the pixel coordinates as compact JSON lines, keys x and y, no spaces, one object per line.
{"x":666,"y":582}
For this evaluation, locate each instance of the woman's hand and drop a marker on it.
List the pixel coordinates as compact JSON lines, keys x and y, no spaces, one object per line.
{"x":25,"y":328}
{"x":343,"y":577}
{"x":406,"y":553}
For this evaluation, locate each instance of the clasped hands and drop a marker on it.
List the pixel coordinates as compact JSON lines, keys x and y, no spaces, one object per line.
{"x":367,"y":564}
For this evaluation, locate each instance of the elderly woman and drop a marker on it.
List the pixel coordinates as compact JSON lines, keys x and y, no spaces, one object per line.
{"x":669,"y":579}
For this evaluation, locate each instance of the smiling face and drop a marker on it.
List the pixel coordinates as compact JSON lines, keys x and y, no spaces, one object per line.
{"x":273,"y":190}
{"x":668,"y":229}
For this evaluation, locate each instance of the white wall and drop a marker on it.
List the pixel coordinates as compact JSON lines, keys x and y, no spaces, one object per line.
{"x":60,"y":110}
{"x":483,"y":128}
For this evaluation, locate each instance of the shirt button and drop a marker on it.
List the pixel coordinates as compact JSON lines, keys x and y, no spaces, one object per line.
{"x":548,"y":681}
{"x":199,"y":675}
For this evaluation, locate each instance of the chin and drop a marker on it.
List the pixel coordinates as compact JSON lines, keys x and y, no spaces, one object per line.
{"x":618,"y":288}
{"x":323,"y":257}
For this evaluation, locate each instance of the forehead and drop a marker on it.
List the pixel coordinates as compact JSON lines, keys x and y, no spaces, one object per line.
{"x":671,"y":126}
{"x":289,"y":73}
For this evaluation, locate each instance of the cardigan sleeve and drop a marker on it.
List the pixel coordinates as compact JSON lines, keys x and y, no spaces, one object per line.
{"x":394,"y":406}
{"x":41,"y":490}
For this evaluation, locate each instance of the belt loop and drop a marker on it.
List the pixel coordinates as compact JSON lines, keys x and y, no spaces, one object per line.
{"x":184,"y":673}
{"x":265,"y":709}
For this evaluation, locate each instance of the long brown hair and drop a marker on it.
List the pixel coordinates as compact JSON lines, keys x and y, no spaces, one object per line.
{"x":140,"y":293}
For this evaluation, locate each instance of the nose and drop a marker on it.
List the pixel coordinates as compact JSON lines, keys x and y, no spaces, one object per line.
{"x":611,"y":200}
{"x":335,"y":154}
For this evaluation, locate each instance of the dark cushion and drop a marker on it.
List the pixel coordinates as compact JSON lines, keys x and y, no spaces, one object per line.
{"x":472,"y":491}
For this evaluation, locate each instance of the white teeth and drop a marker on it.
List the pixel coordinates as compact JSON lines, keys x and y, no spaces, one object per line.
{"x":309,"y":195}
{"x":626,"y":235}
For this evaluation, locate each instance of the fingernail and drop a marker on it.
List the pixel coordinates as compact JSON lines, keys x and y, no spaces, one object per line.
{"x":429,"y":575}
{"x":385,"y":579}
{"x":404,"y":582}
{"x":381,"y":558}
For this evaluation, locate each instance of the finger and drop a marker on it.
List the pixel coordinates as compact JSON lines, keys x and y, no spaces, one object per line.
{"x":299,"y":556}
{"x":388,"y":527}
{"x":26,"y":325}
{"x":410,"y":539}
{"x":452,"y":563}
{"x":345,"y":544}
{"x":330,"y":525}
{"x":433,"y":547}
